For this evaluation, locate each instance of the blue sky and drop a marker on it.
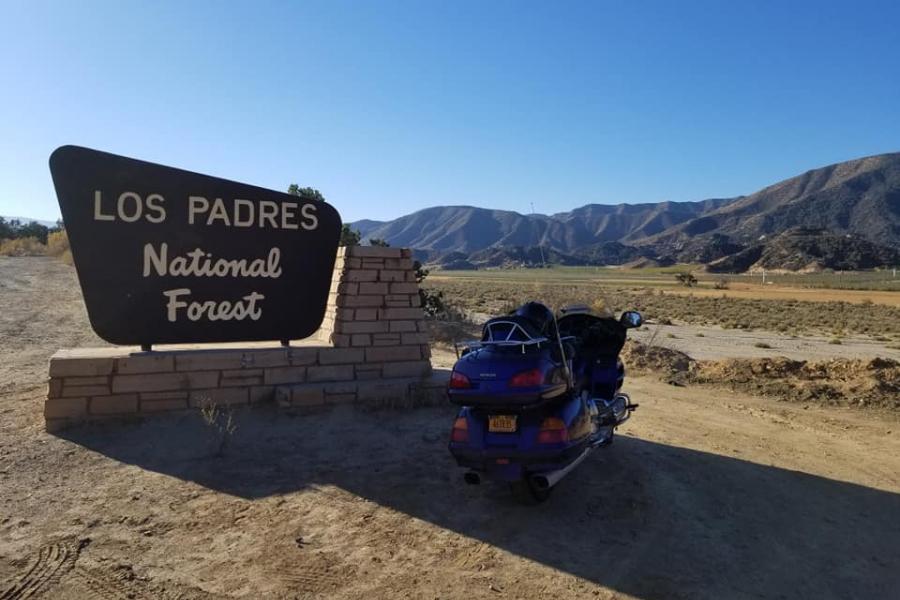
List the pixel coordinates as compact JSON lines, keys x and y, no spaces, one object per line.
{"x":389,"y":107}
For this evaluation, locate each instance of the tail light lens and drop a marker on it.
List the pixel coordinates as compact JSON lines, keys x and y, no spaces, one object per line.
{"x":458,"y":381}
{"x":552,"y":431}
{"x":460,"y":432}
{"x":531,"y":378}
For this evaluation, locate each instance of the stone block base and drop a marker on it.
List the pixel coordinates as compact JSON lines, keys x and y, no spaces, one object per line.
{"x":91,"y":384}
{"x":374,"y":351}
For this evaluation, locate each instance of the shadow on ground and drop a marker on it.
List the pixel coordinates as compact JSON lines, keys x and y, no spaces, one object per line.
{"x":648,"y":519}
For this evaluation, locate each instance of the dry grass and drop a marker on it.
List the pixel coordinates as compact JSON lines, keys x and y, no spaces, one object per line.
{"x":58,"y":246}
{"x":786,"y":316}
{"x":27,"y":246}
{"x":221,"y":423}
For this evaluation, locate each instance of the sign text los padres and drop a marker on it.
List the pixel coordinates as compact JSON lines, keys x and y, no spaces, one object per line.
{"x":165,"y":255}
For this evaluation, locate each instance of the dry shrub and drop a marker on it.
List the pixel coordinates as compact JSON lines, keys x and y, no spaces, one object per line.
{"x":799,"y":316}
{"x":686,"y":279}
{"x":27,"y":246}
{"x":601,"y":307}
{"x":221,"y":423}
{"x":58,"y":246}
{"x":57,"y":243}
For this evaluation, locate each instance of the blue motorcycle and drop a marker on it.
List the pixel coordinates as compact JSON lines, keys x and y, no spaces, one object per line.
{"x":538,"y":393}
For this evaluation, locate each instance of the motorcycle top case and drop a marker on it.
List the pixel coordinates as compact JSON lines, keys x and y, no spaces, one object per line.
{"x":513,"y":367}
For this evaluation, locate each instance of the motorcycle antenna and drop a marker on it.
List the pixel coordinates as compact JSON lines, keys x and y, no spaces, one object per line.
{"x":562,"y":352}
{"x":540,"y":245}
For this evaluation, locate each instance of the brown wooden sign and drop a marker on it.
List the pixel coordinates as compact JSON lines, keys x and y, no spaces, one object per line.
{"x":170,"y":256}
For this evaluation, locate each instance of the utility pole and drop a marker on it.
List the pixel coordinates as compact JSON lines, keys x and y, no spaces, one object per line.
{"x":540,"y":245}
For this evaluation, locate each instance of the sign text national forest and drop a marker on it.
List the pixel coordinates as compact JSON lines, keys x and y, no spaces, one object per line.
{"x":169,"y":256}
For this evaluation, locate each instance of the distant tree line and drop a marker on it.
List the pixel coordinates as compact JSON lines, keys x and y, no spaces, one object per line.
{"x":307,"y":193}
{"x":33,"y":239}
{"x":349,"y":237}
{"x":15,"y":229}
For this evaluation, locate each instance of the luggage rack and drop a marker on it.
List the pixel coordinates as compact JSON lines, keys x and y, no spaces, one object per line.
{"x":503,"y":333}
{"x":509,"y":333}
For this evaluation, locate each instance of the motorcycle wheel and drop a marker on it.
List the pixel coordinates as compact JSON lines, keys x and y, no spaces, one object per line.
{"x":526,"y":493}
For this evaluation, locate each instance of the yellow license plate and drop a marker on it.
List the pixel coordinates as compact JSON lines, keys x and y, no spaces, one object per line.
{"x":502,"y":423}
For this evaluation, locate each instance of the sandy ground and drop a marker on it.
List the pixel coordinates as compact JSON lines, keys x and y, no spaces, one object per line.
{"x":716,"y":343}
{"x":705,"y":494}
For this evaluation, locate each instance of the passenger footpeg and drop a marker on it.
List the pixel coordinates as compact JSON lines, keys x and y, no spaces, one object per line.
{"x":611,"y":413}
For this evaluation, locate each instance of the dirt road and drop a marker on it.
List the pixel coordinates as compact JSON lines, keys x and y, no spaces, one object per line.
{"x":715,"y":343}
{"x":776,"y":292}
{"x":705,"y":494}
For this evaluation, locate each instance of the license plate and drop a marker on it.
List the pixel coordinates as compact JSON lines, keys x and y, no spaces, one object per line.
{"x":502,"y":423}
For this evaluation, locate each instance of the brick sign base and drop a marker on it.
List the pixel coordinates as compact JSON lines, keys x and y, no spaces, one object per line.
{"x":372,"y":349}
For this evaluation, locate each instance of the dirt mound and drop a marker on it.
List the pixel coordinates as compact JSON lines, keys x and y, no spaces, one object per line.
{"x":840,"y":382}
{"x":655,"y":359}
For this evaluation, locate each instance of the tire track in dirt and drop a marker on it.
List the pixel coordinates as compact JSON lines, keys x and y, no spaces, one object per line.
{"x":51,"y":564}
{"x":323,"y":573}
{"x":53,"y":573}
{"x":99,"y":585}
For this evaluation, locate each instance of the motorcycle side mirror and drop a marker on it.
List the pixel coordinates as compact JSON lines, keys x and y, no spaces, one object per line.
{"x":631,"y":318}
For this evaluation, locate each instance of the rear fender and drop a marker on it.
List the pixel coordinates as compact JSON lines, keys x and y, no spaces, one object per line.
{"x":572,"y":411}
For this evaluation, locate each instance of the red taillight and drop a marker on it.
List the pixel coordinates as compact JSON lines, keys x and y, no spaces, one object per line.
{"x":458,"y":381}
{"x":532,"y":378}
{"x":460,"y":431}
{"x":553,"y":431}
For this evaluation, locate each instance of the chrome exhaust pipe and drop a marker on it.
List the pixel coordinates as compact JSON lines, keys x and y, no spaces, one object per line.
{"x":545,"y":481}
{"x":472,"y":478}
{"x":541,"y":482}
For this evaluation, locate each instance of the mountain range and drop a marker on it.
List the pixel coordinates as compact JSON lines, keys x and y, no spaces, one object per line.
{"x":853,"y":207}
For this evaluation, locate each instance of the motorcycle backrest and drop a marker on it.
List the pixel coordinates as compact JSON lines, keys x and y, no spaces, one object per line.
{"x":602,"y":336}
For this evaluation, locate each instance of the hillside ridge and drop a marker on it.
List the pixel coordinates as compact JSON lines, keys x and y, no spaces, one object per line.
{"x":859,"y":198}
